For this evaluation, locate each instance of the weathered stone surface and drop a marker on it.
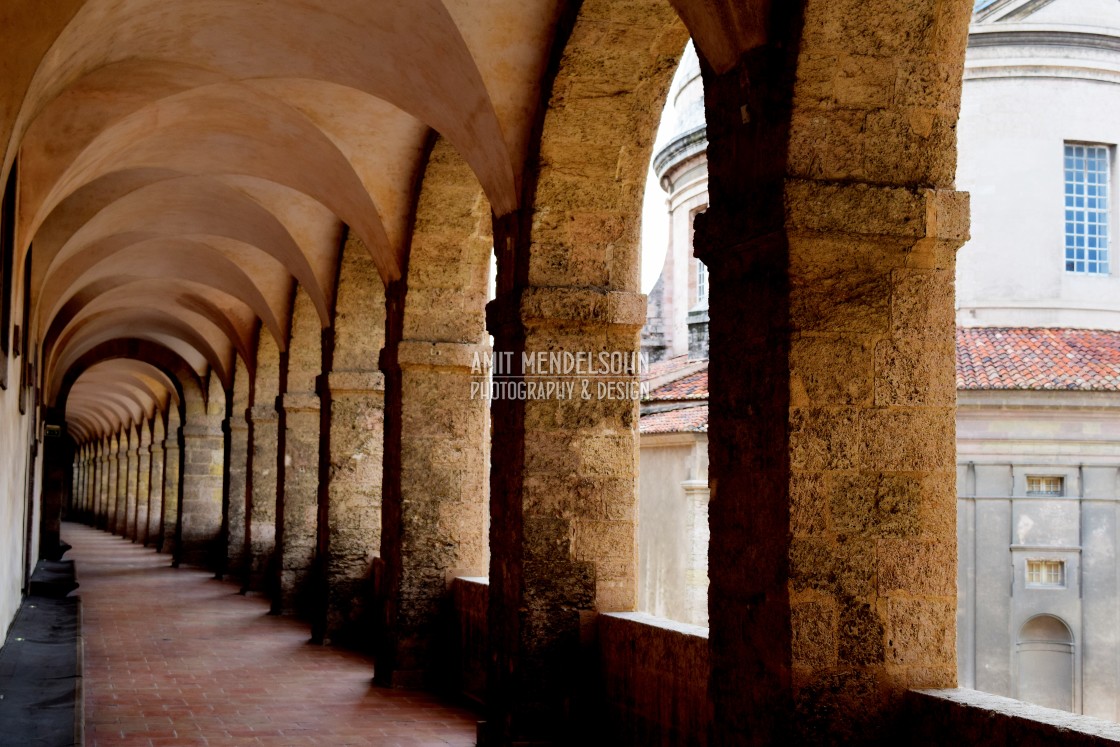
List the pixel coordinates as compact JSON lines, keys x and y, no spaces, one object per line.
{"x":440,"y":500}
{"x":155,"y":484}
{"x":357,"y":414}
{"x":172,"y":463}
{"x":131,"y":481}
{"x":297,"y":524}
{"x":143,"y":484}
{"x":261,"y":526}
{"x":238,"y":435}
{"x":201,"y":501}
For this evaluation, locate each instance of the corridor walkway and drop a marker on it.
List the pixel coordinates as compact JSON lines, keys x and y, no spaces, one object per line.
{"x":173,"y":657}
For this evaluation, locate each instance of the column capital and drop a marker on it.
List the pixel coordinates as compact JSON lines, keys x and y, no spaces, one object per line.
{"x":567,"y":306}
{"x":301,"y":402}
{"x":356,"y":381}
{"x":203,"y":430}
{"x":262,"y":413}
{"x":877,"y":210}
{"x":436,"y":354}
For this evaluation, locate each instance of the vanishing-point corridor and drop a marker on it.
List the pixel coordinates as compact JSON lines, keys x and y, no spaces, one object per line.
{"x":175,"y":657}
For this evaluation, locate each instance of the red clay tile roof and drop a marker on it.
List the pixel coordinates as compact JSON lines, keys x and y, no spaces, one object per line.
{"x":683,"y":420}
{"x":693,"y":386}
{"x":1027,"y":358}
{"x":667,"y":366}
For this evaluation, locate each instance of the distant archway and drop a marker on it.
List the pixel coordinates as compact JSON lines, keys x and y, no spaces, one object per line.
{"x":1045,"y":653}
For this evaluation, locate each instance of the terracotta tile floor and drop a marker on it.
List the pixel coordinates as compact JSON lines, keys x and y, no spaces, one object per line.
{"x":173,"y":657}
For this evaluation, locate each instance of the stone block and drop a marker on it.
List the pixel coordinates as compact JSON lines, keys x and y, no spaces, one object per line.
{"x":823,"y":438}
{"x":876,"y":504}
{"x":814,"y":633}
{"x":907,"y":440}
{"x":921,"y":632}
{"x":907,"y":372}
{"x":830,"y":370}
{"x":917,"y":567}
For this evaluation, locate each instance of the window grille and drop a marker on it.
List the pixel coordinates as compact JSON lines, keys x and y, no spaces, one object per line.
{"x":1045,"y":485}
{"x":1046,"y":573}
{"x":1086,"y":208}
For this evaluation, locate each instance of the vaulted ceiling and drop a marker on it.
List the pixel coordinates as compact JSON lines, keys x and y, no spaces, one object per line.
{"x":182,"y":165}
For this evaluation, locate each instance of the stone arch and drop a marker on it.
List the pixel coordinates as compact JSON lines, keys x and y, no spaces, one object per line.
{"x":186,"y":382}
{"x":1046,"y":664}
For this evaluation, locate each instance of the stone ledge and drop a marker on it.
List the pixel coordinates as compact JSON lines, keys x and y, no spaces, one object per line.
{"x":655,"y":678}
{"x":963,"y":716}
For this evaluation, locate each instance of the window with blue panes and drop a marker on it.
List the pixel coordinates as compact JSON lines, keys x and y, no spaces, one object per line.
{"x":1087,"y":208}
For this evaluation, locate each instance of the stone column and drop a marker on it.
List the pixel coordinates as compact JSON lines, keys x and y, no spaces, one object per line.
{"x":77,"y":467}
{"x":443,"y":498}
{"x":201,"y":501}
{"x":116,"y":490}
{"x":830,"y":241}
{"x":261,"y":529}
{"x":172,"y":465}
{"x":563,"y":503}
{"x":143,"y":483}
{"x":354,"y":502}
{"x":103,"y":484}
{"x":300,"y":501}
{"x":131,"y":483}
{"x":86,"y":495}
{"x":154,"y":535}
{"x":238,"y":477}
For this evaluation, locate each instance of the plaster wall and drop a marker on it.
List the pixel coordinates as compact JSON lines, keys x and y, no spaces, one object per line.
{"x":1003,"y":438}
{"x":14,"y":433}
{"x":672,"y":527}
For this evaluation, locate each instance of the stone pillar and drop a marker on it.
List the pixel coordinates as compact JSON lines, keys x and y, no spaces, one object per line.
{"x":238,"y":477}
{"x":261,"y":529}
{"x":443,"y":498}
{"x":201,"y":501}
{"x":830,"y":241}
{"x":74,"y":508}
{"x":354,"y":502}
{"x":300,"y":502}
{"x":298,"y":493}
{"x":563,"y":496}
{"x":131,"y":482}
{"x":143,"y":483}
{"x":84,"y":483}
{"x":172,"y":482}
{"x":118,"y":464}
{"x":104,"y":496}
{"x":154,"y":535}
